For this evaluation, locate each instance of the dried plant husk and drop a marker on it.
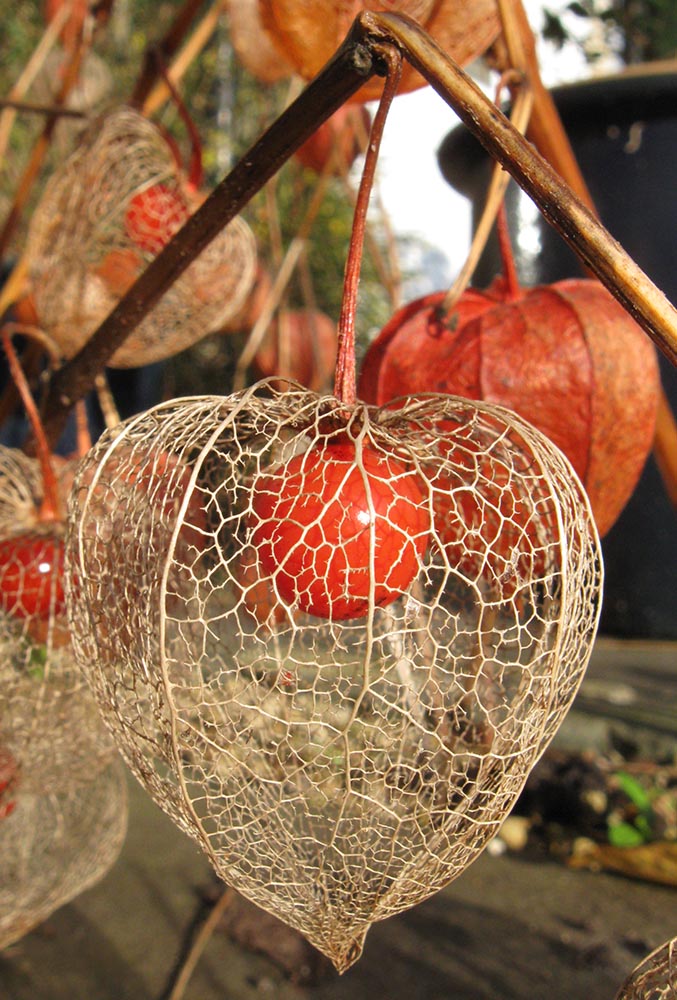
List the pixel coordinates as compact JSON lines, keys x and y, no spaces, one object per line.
{"x":49,"y":722}
{"x":300,"y":344}
{"x":255,"y":47}
{"x":655,"y":978}
{"x":56,"y":843}
{"x":566,"y":356}
{"x":310,"y":32}
{"x":335,"y":770}
{"x":84,"y":256}
{"x":337,"y":142}
{"x":62,"y":795}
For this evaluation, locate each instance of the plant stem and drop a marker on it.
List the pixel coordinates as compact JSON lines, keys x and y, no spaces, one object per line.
{"x":166,"y":50}
{"x":200,"y":943}
{"x":514,"y":292}
{"x":184,"y":59}
{"x":519,"y":116}
{"x":50,"y":507}
{"x":345,"y":382}
{"x":194,"y":173}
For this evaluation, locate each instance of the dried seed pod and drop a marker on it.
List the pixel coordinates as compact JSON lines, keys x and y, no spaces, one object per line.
{"x":254,"y":45}
{"x":337,"y":761}
{"x":566,"y":356}
{"x":47,"y":716}
{"x":103,"y":216}
{"x":62,"y":793}
{"x":655,"y":978}
{"x":57,"y":843}
{"x":299,"y":345}
{"x":308,"y":33}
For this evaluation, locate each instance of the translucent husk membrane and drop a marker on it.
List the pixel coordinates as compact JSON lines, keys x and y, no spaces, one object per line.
{"x":84,"y":255}
{"x":58,"y":843}
{"x":63,"y":806}
{"x":655,"y":978}
{"x":335,"y":771}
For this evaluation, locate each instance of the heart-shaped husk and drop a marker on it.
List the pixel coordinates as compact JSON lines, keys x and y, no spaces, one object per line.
{"x":83,"y":257}
{"x":336,"y":771}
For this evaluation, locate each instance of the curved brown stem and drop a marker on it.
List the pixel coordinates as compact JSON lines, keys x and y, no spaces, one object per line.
{"x":194,"y":173}
{"x":345,"y":382}
{"x":547,"y":132}
{"x":50,"y":507}
{"x":166,"y":48}
{"x":513,"y":290}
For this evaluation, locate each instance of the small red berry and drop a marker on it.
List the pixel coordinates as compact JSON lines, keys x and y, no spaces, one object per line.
{"x":31,"y":576}
{"x":331,"y":524}
{"x":154,"y":215}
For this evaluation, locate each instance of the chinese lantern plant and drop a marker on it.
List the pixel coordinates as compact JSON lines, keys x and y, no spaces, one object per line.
{"x":316,"y":692}
{"x":566,"y":356}
{"x":655,"y":976}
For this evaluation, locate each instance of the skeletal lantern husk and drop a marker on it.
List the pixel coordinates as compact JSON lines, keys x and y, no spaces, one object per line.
{"x":63,"y":805}
{"x":82,"y":258}
{"x":655,"y":978}
{"x":56,"y":844}
{"x":335,"y":772}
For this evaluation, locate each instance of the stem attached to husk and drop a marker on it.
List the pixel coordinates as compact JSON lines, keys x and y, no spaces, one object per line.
{"x":50,"y":506}
{"x":513,"y":292}
{"x":345,"y":382}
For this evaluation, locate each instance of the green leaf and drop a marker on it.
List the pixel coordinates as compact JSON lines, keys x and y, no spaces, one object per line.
{"x":637,"y":794}
{"x":625,"y":835}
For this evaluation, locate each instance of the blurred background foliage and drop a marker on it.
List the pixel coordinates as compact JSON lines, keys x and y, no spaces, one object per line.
{"x":230,"y":108}
{"x":636,"y":30}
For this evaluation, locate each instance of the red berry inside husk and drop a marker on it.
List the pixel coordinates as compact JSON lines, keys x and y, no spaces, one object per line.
{"x":154,"y":215}
{"x":31,"y":576}
{"x":333,"y":523}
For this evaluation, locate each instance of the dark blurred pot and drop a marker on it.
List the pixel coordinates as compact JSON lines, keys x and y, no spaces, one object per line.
{"x":624,"y":133}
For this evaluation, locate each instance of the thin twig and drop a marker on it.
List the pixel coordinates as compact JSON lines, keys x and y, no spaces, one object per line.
{"x":159,"y":95}
{"x":498,"y":183}
{"x":39,"y":151}
{"x":200,"y":943}
{"x":50,"y":506}
{"x":28,"y":107}
{"x":167,"y":47}
{"x":344,"y":383}
{"x":29,"y":73}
